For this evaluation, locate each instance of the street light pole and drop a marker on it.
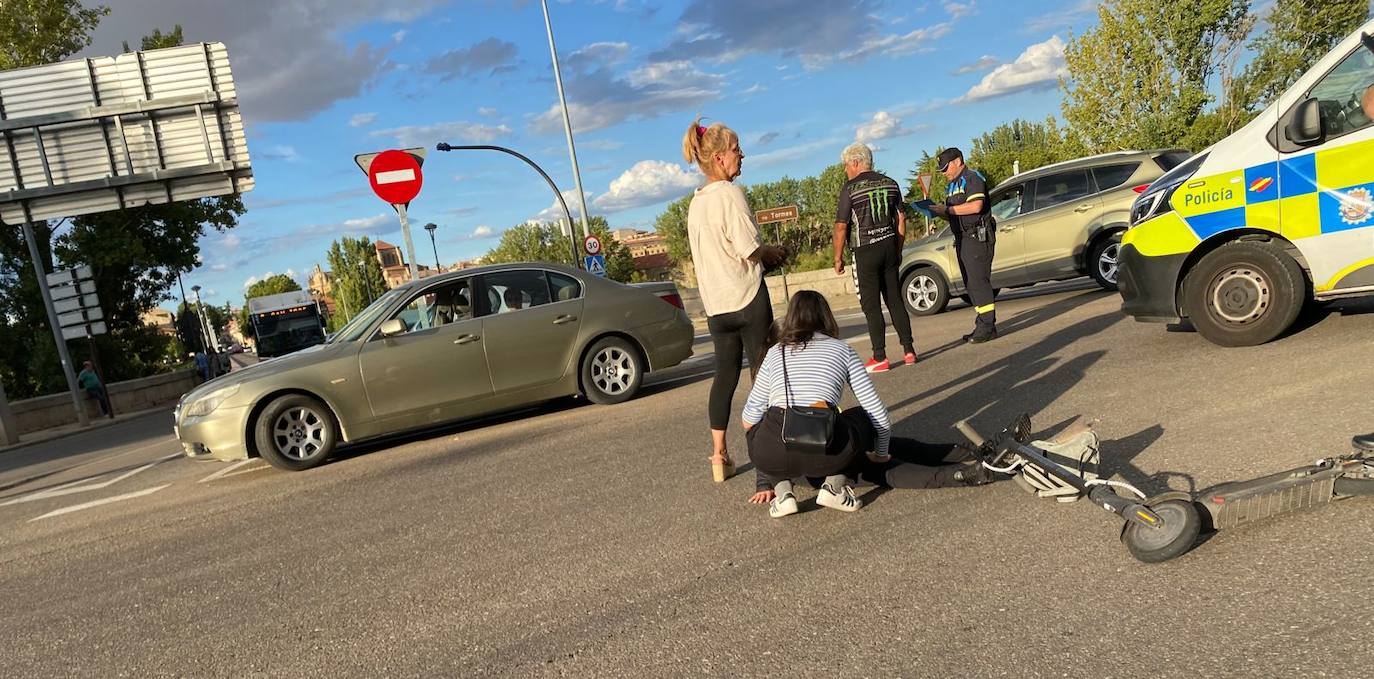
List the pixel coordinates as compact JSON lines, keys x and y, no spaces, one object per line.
{"x":430,"y":227}
{"x":211,"y":350}
{"x":567,"y":124}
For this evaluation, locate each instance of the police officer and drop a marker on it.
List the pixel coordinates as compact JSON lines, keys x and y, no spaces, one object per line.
{"x":975,"y":237}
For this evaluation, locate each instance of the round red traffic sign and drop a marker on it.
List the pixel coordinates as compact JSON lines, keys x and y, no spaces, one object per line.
{"x":592,"y":244}
{"x":395,"y":176}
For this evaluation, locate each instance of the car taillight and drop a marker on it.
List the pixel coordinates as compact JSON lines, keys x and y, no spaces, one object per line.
{"x":673,"y":299}
{"x":1141,"y":188}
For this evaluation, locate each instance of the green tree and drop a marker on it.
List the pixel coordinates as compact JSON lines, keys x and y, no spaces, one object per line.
{"x":1299,"y":32}
{"x":34,"y":32}
{"x":356,"y":277}
{"x":545,"y":242}
{"x":1140,"y":78}
{"x":1033,"y":144}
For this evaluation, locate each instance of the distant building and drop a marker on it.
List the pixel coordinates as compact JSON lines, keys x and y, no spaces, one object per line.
{"x":162,"y":319}
{"x":321,"y":286}
{"x":394,"y":267}
{"x":466,"y":264}
{"x":641,"y":243}
{"x":655,"y":267}
{"x":622,"y":234}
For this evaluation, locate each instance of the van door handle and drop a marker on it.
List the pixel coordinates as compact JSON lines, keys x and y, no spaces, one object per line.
{"x":1084,"y":208}
{"x":565,"y":318}
{"x":467,"y":339}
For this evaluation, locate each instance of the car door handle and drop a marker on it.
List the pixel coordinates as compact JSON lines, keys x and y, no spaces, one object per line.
{"x":1007,"y":229}
{"x":1084,"y":208}
{"x":565,"y":318}
{"x":467,"y":339}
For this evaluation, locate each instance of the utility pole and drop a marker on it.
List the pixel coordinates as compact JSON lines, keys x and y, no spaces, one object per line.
{"x":567,"y":123}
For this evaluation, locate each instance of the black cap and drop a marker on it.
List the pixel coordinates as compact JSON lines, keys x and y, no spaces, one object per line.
{"x":947,"y":156}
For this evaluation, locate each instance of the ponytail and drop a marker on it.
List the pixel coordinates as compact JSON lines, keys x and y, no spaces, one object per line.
{"x":701,"y":143}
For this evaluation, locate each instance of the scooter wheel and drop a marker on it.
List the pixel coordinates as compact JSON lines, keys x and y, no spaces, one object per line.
{"x":1178,"y":534}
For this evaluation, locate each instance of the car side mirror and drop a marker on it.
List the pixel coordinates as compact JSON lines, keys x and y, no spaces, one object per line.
{"x":1307,"y":126}
{"x":393,"y":327}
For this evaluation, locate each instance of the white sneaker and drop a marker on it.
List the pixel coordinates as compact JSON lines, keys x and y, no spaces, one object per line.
{"x":783,"y":505}
{"x":843,"y":499}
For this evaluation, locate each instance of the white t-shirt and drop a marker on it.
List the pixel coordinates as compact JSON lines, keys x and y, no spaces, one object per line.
{"x":721,"y":229}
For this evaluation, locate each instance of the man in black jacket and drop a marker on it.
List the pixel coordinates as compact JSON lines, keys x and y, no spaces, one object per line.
{"x":975,"y":238}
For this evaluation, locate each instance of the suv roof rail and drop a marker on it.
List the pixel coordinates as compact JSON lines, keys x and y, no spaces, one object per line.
{"x":1087,"y":159}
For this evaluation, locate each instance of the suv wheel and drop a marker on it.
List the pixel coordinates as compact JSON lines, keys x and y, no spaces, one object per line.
{"x":924,"y":291}
{"x":1244,"y":293}
{"x":1103,"y":262}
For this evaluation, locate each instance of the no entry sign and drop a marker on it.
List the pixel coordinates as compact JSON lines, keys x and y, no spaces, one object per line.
{"x":395,"y":177}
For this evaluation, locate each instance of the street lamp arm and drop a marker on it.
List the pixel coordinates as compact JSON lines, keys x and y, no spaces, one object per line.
{"x":444,"y":146}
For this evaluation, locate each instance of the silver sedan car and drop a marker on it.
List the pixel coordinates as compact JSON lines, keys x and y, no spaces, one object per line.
{"x":444,"y":348}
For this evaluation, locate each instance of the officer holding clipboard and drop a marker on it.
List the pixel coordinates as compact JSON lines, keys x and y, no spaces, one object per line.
{"x":975,"y":237}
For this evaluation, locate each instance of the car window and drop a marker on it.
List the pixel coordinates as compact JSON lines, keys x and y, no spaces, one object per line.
{"x":511,"y":291}
{"x":1172,"y":159}
{"x":1346,"y":94}
{"x":1061,"y":188}
{"x":1007,"y":202}
{"x":437,"y":307}
{"x":563,"y":287}
{"x":1111,"y":176}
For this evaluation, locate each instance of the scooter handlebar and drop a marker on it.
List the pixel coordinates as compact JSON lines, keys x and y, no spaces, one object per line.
{"x":969,"y":433}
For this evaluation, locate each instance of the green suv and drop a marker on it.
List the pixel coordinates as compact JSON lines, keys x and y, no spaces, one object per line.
{"x":1054,"y":223}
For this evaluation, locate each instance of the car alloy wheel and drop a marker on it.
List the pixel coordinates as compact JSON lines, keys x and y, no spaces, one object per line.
{"x":1108,"y":264}
{"x":922,"y":292}
{"x":613,"y":371}
{"x":299,"y":433}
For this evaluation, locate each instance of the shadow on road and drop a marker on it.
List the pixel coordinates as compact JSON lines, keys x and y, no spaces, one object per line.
{"x":1028,"y":319}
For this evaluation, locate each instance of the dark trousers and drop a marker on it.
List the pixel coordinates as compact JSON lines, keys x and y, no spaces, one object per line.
{"x":736,"y":335}
{"x":877,"y":266}
{"x":98,"y":393}
{"x":854,"y":436}
{"x":975,"y":265}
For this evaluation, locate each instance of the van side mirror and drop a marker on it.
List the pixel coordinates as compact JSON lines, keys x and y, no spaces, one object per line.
{"x":393,"y":327}
{"x":1307,"y":126}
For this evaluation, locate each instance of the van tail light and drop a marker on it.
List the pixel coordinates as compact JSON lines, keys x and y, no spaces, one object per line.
{"x":1141,"y":188}
{"x":674,"y":299}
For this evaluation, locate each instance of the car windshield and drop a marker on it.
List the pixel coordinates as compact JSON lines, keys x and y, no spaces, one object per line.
{"x":360,"y":323}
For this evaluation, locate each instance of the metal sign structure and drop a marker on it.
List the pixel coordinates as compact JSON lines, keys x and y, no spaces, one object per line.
{"x":924,"y":180}
{"x":94,"y":135}
{"x":595,"y":264}
{"x":396,"y":178}
{"x":78,"y":308}
{"x":779,"y":215}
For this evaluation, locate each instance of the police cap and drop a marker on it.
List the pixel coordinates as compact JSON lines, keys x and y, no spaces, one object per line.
{"x":947,"y":156}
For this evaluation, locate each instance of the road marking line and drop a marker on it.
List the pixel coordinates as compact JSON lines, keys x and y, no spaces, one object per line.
{"x":225,"y":472}
{"x":70,"y":489}
{"x":681,"y":379}
{"x":97,"y":503}
{"x":247,"y":471}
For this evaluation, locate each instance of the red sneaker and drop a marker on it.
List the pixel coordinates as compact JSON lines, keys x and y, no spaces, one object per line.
{"x":875,"y":366}
{"x":910,"y":358}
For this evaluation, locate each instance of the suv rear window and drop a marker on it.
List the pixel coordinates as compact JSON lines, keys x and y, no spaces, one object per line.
{"x":1061,"y":188}
{"x":1172,"y":159}
{"x":1111,"y":176}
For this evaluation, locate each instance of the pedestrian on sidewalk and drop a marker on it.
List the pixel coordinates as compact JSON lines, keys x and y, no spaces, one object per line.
{"x":203,"y":366}
{"x":95,"y":388}
{"x":870,"y":215}
{"x":730,"y":260}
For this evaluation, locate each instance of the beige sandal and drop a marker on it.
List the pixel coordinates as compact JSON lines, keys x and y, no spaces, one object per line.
{"x":722,"y":467}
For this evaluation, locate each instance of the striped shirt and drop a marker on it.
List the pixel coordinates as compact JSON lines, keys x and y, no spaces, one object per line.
{"x":818,"y":371}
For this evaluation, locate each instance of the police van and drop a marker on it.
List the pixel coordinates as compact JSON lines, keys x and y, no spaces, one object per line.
{"x":1238,"y":238}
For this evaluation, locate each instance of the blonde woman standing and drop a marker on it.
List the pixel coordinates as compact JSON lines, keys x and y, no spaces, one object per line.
{"x":730,"y":260}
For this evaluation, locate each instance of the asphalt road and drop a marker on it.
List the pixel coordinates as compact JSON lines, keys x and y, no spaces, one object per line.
{"x":575,"y":540}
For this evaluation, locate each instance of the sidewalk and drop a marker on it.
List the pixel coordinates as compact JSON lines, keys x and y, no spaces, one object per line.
{"x":55,"y":433}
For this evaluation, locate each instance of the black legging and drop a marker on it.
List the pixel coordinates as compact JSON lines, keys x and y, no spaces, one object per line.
{"x":737,"y":335}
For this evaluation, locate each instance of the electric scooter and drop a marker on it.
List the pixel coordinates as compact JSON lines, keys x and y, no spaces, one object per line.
{"x":1161,"y":527}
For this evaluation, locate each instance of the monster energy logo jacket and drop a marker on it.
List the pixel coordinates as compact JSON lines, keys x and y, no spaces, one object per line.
{"x":869,"y":205}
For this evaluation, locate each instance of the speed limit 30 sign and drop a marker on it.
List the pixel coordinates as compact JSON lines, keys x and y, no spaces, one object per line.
{"x":591,"y":244}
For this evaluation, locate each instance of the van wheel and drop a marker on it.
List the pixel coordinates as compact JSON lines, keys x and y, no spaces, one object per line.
{"x":295,"y":432}
{"x":1244,"y":293}
{"x":1103,"y":264}
{"x":611,"y":371}
{"x":924,"y":291}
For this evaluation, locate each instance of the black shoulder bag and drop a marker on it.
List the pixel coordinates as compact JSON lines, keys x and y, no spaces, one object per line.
{"x":805,"y":429}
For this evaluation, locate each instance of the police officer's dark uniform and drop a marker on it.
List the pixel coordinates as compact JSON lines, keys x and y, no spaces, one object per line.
{"x":975,"y":239}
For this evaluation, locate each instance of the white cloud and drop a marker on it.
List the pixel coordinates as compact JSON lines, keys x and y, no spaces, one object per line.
{"x":554,"y":212}
{"x":230,"y":242}
{"x":429,"y":135}
{"x":601,"y":144}
{"x":918,"y":40}
{"x":984,"y":63}
{"x":794,"y":153}
{"x":488,"y":112}
{"x":362,"y":119}
{"x":597,"y":54}
{"x":754,"y":89}
{"x":365,"y":224}
{"x":959,"y":11}
{"x":492,"y":56}
{"x":219,"y":268}
{"x":647,"y":183}
{"x":208,"y":293}
{"x":1069,"y":17}
{"x":1039,"y":67}
{"x":883,"y":126}
{"x":291,"y":273}
{"x":282,"y":152}
{"x":398,"y":36}
{"x":599,"y":99}
{"x":483,"y":231}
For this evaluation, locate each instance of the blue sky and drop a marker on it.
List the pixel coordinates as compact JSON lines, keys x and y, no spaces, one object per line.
{"x":321,"y":81}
